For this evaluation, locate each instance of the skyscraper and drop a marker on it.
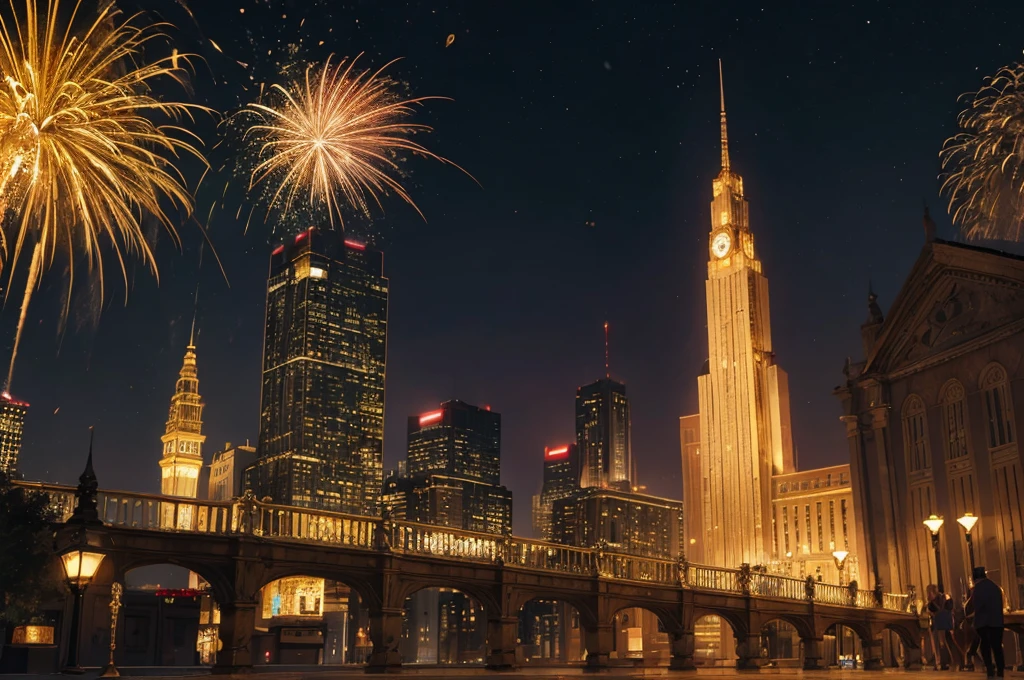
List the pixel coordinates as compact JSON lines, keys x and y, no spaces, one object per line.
{"x":12,"y":424}
{"x":603,"y":436}
{"x":453,"y":471}
{"x":561,"y":480}
{"x":744,"y":395}
{"x":458,"y":440}
{"x":183,"y":434}
{"x":322,"y":406}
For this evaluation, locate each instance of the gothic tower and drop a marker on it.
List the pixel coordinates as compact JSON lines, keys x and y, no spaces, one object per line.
{"x":183,"y":438}
{"x":744,"y":395}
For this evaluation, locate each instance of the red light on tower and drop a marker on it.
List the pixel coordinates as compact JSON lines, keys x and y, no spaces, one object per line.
{"x":355,"y":245}
{"x":303,"y":235}
{"x":432,"y":417}
{"x":278,"y":250}
{"x":556,"y":453}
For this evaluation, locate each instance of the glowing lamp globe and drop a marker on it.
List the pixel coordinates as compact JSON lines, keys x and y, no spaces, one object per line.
{"x":934,"y":523}
{"x":840,"y":556}
{"x":968,"y":521}
{"x":80,"y":566}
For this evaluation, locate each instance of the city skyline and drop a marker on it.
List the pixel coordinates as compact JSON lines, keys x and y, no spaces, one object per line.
{"x":654,"y":365}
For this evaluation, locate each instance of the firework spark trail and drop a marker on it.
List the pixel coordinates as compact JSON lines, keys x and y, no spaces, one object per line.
{"x":337,"y":131}
{"x":80,"y":160}
{"x":983,"y":165}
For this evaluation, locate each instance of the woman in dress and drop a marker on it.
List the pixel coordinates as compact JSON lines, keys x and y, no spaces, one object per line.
{"x":941,"y":609}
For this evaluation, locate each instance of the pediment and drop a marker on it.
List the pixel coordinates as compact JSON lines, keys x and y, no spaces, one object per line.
{"x":955,"y":298}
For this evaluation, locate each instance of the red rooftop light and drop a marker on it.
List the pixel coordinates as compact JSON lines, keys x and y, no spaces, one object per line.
{"x":556,"y":453}
{"x":432,"y":417}
{"x":303,"y":235}
{"x":6,"y":396}
{"x":355,"y":245}
{"x":278,"y":250}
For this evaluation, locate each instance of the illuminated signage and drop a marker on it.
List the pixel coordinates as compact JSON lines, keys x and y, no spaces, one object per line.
{"x":432,"y":417}
{"x":556,"y":453}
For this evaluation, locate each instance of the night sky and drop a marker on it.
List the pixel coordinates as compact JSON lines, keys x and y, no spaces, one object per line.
{"x":566,"y":112}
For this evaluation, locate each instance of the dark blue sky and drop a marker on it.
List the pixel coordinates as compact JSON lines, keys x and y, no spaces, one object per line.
{"x":565,"y":112}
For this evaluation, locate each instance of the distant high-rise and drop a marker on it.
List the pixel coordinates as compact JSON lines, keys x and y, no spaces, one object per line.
{"x":603,"y":434}
{"x":12,"y":424}
{"x":321,"y":437}
{"x":622,"y":521}
{"x":183,"y":434}
{"x":452,"y":475}
{"x":561,"y":480}
{"x":226,"y":471}
{"x":458,"y":440}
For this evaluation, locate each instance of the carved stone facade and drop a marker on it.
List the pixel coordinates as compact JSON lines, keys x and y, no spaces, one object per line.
{"x":933,"y":422}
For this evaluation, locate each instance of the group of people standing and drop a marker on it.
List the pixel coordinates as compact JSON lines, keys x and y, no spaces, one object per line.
{"x":982,"y":625}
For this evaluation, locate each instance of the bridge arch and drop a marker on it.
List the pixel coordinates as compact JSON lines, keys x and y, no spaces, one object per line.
{"x":221,"y":584}
{"x":551,"y":629}
{"x":368,"y":595}
{"x":444,"y":625}
{"x":585,"y":605}
{"x":482,"y":593}
{"x":781,"y":637}
{"x":715,"y":633}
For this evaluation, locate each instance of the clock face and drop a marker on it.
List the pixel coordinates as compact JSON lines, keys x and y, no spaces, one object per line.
{"x":721,"y":244}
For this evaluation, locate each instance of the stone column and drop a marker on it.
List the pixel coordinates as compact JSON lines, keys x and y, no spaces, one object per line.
{"x":814,"y":651}
{"x":683,"y":646}
{"x":502,"y":638}
{"x":598,"y":642}
{"x":385,"y":633}
{"x":873,"y":654}
{"x":748,"y":653}
{"x":237,"y":624}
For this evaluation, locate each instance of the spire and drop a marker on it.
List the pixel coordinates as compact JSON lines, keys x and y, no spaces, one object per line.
{"x":929,"y":225}
{"x":874,"y":311}
{"x":607,"y":371}
{"x":725,"y":134}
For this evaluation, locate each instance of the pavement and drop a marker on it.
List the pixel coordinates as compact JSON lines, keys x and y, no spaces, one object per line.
{"x":536,"y":673}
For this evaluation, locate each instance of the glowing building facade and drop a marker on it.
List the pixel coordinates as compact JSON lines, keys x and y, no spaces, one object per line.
{"x":743,"y":394}
{"x":321,"y":436}
{"x":603,"y":435}
{"x":183,"y":436}
{"x":622,"y":521}
{"x":561,"y":480}
{"x":12,"y":425}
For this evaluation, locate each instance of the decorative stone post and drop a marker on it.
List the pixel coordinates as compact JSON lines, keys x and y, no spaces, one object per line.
{"x":748,"y":652}
{"x":115,"y":606}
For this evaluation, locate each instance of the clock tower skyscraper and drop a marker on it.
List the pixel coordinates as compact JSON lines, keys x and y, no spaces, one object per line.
{"x":744,"y":395}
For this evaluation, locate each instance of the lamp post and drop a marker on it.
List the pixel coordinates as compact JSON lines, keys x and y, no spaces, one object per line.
{"x":967,"y":522}
{"x":934,"y":523}
{"x":840,"y":557}
{"x":115,"y":606}
{"x":79,"y":568}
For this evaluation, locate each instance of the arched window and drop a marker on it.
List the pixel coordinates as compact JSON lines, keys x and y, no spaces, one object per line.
{"x":954,"y":416}
{"x":998,"y":410}
{"x":915,"y":434}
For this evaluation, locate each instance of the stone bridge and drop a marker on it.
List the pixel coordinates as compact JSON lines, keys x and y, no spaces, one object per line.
{"x":242,"y":545}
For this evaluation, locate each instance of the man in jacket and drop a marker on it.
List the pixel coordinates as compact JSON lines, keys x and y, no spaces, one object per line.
{"x":987,"y":603}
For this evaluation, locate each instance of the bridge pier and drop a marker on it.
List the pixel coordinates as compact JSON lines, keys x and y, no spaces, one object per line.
{"x":912,"y":658}
{"x":237,"y":624}
{"x":748,"y":653}
{"x":683,"y":647}
{"x":814,"y":652}
{"x":873,"y":654}
{"x":501,"y":643}
{"x":385,"y":633}
{"x":598,"y":642}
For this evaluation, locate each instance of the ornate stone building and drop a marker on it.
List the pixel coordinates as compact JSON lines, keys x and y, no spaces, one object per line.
{"x":933,"y":414}
{"x":183,"y":435}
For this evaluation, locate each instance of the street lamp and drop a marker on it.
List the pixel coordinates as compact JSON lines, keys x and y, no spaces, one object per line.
{"x":840,"y":557}
{"x":967,"y":522}
{"x":934,"y":523}
{"x":80,"y":567}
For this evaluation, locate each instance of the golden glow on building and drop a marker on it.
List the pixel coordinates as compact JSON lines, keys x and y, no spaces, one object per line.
{"x":744,"y":396}
{"x":183,"y":435}
{"x":293,"y":596}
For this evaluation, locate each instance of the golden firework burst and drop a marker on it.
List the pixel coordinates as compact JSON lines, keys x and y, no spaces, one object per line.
{"x":338,"y":132}
{"x":82,"y":159}
{"x":983,"y":165}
